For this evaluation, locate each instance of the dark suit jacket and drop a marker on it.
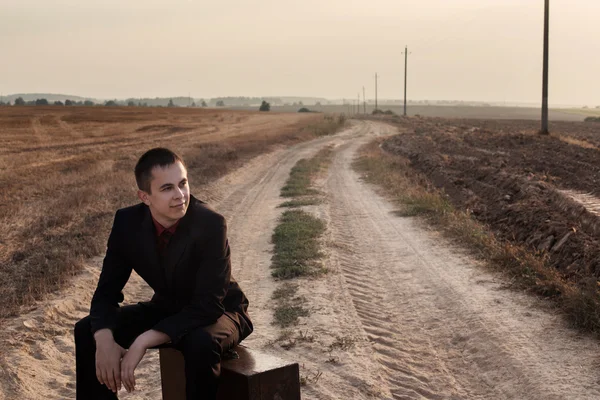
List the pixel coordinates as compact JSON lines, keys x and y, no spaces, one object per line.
{"x":193,"y":285}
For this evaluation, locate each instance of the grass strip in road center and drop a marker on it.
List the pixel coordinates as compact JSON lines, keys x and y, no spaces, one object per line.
{"x":297,"y":248}
{"x":290,"y":306}
{"x":296,"y":254}
{"x":296,"y":239}
{"x":301,"y":177}
{"x":298,"y":184}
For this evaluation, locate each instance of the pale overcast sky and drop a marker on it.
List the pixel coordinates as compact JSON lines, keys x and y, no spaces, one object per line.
{"x":488,"y":50}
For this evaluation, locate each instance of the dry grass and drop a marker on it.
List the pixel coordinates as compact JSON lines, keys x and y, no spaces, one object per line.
{"x":416,"y":196}
{"x":574,"y":141}
{"x":64,"y":172}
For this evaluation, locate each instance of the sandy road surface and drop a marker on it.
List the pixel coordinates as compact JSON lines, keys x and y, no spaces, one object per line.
{"x":420,"y":319}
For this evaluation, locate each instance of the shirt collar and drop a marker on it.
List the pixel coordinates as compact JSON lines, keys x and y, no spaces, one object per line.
{"x":160,"y":229}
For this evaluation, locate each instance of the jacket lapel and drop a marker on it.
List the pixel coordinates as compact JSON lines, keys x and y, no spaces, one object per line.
{"x":147,"y":240}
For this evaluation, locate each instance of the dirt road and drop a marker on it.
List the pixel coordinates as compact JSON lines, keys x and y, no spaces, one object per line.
{"x":401,"y":315}
{"x":439,"y":325}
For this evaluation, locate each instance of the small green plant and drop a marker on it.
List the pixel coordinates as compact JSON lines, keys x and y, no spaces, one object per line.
{"x":285,"y":291}
{"x":287,"y":314}
{"x":286,"y":334}
{"x":305,"y":337}
{"x":310,"y":378}
{"x":342,"y":343}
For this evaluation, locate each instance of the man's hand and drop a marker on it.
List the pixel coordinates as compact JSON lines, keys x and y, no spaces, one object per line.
{"x":129,"y":363}
{"x":135,"y":354}
{"x":108,"y":360}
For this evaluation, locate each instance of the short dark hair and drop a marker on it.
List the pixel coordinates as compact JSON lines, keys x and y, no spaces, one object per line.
{"x":157,"y":157}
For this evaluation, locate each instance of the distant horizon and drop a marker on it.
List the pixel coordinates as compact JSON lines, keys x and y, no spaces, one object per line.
{"x":499,"y":103}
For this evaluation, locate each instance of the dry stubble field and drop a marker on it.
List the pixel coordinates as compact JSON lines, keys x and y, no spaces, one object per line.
{"x":64,"y":172}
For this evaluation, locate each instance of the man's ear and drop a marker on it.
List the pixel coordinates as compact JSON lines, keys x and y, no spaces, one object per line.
{"x":143,"y":196}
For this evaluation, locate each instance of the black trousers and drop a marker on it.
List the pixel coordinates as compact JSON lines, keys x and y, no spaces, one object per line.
{"x":201,"y":348}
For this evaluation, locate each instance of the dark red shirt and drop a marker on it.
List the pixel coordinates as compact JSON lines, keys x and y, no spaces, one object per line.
{"x":162,"y":238}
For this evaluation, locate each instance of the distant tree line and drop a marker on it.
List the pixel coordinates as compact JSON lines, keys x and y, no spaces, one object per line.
{"x":240,"y":101}
{"x":264,"y":103}
{"x":159,"y":102}
{"x":19,"y":101}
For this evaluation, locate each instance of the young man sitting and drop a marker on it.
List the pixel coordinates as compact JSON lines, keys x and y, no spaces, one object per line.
{"x":179,"y":246}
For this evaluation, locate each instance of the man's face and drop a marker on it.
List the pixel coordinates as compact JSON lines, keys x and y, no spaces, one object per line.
{"x":170,"y":194}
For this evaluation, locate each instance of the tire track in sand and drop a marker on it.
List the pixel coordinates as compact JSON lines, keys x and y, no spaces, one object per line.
{"x":441,"y":327}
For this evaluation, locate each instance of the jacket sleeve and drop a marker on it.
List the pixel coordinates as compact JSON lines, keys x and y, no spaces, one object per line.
{"x":211,"y":283}
{"x":115,"y":274}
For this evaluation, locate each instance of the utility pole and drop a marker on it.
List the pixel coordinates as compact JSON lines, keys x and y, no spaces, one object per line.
{"x":544,"y":130}
{"x":364,"y":102}
{"x":375,"y":91}
{"x":405,"y":75}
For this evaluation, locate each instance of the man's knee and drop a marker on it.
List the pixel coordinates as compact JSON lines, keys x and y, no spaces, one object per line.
{"x":83,"y":329}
